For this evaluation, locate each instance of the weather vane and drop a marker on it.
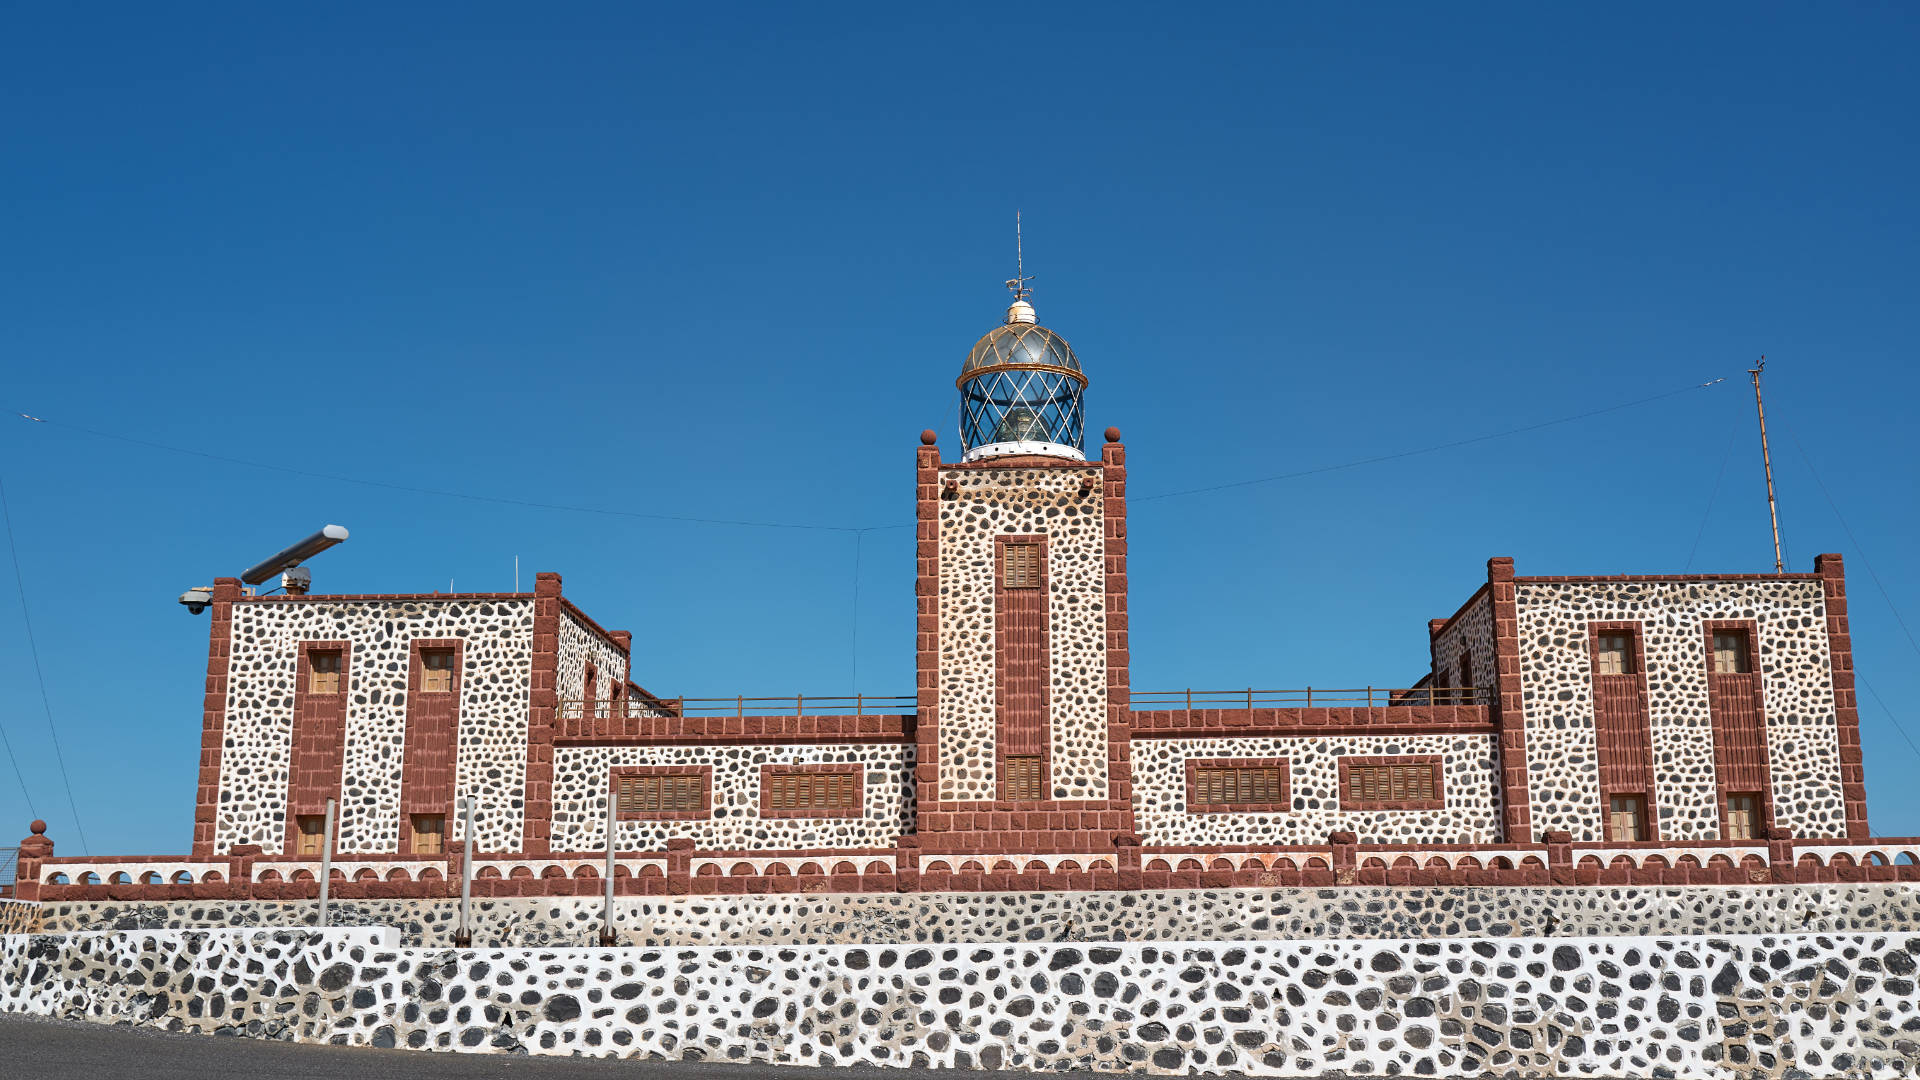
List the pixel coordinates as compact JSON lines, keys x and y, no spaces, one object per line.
{"x":1017,"y":285}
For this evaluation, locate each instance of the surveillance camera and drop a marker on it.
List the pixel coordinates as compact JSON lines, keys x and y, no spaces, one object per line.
{"x":196,"y":600}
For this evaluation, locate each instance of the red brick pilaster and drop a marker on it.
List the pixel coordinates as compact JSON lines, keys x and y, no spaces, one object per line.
{"x":1346,"y":857}
{"x":1560,"y":857}
{"x":1846,"y":707}
{"x":680,"y":865}
{"x":543,"y":701}
{"x":1780,"y":864}
{"x":906,"y":864}
{"x":240,"y":870}
{"x":1509,"y":710}
{"x":33,"y":851}
{"x":926,"y":604}
{"x":214,"y":714}
{"x":1113,"y":465}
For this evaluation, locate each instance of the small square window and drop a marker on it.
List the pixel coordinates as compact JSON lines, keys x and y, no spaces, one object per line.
{"x":313,"y":834}
{"x":1743,"y":817}
{"x":1020,"y":566}
{"x":436,"y":671}
{"x":1613,"y":652}
{"x":1626,"y":819}
{"x":323,"y":671}
{"x":429,"y":834}
{"x":1022,"y":779}
{"x":1730,"y":652}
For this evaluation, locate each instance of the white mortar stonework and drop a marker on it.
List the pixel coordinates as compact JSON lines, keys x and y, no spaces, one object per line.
{"x":1470,"y":777}
{"x":1796,"y":675}
{"x":258,"y":734}
{"x":1011,"y":502}
{"x":1683,"y":1007}
{"x":1473,"y":630}
{"x":578,"y":645}
{"x":581,"y":782}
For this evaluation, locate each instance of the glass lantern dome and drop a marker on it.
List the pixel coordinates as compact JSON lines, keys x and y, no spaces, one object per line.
{"x":1020,"y":392}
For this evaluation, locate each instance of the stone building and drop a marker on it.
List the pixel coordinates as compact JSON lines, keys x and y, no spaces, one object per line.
{"x":1578,"y":729}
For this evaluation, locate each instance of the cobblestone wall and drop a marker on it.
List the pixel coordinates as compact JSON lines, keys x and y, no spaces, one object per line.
{"x":1179,"y":915}
{"x":1794,"y":1005}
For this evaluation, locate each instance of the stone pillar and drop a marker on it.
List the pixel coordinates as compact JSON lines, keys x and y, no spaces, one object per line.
{"x":1846,"y":707}
{"x":456,"y":865}
{"x":906,"y":864}
{"x":1559,"y":857}
{"x":240,"y":870}
{"x":1780,"y":860}
{"x":680,"y":866}
{"x":542,"y":705}
{"x":34,"y":850}
{"x":1126,"y":850}
{"x":1509,"y":710}
{"x":1345,"y":857}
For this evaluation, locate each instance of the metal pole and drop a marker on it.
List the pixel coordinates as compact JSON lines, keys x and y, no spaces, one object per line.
{"x":464,"y":936}
{"x":326,"y":862}
{"x":606,"y":914}
{"x":1766,"y":459}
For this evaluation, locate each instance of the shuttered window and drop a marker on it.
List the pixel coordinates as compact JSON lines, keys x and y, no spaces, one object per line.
{"x":323,"y":669}
{"x":1229,"y":785}
{"x":429,"y":833}
{"x":1388,"y":785}
{"x":1020,"y":566}
{"x":1613,"y":653}
{"x":1743,"y":817}
{"x":1730,"y":652}
{"x":819,"y":793}
{"x":1626,"y":819}
{"x":436,"y":671}
{"x":313,"y":833}
{"x":1022,"y":779}
{"x":669,"y":793}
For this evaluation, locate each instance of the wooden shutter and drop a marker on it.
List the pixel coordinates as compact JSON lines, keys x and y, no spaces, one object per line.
{"x":671,"y":793}
{"x":324,"y":671}
{"x":1022,"y":778}
{"x":1222,"y":786}
{"x":1730,"y":652}
{"x":1020,"y":566}
{"x":1391,"y":785}
{"x":436,"y":671}
{"x":813,"y":794}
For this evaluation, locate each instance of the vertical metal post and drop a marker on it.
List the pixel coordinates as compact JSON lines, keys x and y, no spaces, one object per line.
{"x":464,"y":936}
{"x":326,"y":861}
{"x":606,"y":913}
{"x":1766,"y":460}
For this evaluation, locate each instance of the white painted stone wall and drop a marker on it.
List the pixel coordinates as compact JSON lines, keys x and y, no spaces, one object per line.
{"x":1684,"y":1007}
{"x":1470,"y":784}
{"x":258,"y":736}
{"x":579,"y":645}
{"x":1796,"y":673}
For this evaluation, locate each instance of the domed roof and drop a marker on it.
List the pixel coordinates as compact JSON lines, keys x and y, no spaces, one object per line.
{"x":1021,"y":341}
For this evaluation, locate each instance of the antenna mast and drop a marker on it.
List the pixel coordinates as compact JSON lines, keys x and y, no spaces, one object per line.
{"x":1017,"y":285}
{"x":1766,"y":459}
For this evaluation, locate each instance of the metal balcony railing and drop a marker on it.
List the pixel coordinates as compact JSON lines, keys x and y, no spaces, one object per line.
{"x":1308,"y":698}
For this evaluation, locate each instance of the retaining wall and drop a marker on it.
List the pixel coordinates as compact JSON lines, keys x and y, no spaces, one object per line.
{"x":1623,"y":1006}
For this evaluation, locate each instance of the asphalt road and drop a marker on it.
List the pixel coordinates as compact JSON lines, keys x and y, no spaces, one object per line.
{"x":61,"y":1049}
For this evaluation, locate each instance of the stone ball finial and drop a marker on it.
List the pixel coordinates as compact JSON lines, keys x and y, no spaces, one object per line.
{"x":1113,"y":434}
{"x":38,"y":828}
{"x":928,"y":438}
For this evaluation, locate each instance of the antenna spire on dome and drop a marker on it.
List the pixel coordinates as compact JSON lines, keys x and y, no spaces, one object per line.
{"x":1019,"y":311}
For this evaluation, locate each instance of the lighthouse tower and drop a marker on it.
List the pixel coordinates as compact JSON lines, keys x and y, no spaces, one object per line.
{"x":1022,"y":736}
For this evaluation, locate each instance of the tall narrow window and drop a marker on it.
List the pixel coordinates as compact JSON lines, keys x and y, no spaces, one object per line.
{"x":1021,"y":567}
{"x":429,"y":834}
{"x":1613,"y":653}
{"x":436,"y":671}
{"x":1743,"y":817}
{"x":588,"y":693}
{"x":1730,"y":652}
{"x":323,"y":671}
{"x":313,"y":834}
{"x":1022,"y":778}
{"x":1466,"y":672}
{"x":1626,"y":819}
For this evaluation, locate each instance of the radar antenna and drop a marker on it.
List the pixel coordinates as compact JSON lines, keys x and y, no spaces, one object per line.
{"x":1017,"y":285}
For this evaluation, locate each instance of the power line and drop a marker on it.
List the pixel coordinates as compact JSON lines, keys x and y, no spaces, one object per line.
{"x":1725,"y":456}
{"x":1428,"y":449}
{"x":33,"y":647}
{"x":1889,"y":712}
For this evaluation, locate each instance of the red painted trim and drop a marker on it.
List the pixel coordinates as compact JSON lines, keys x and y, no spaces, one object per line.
{"x":1438,"y":627}
{"x":1284,"y":805}
{"x":833,"y":768}
{"x":1735,"y":701}
{"x":1113,"y":471}
{"x":1831,"y":571}
{"x":430,"y":755}
{"x":1509,"y":704}
{"x":872,"y":729}
{"x":1314,"y":722}
{"x":1022,"y":666}
{"x":594,"y":628}
{"x":213,"y":721}
{"x":1539,"y":579}
{"x":1434,"y":761}
{"x":318,"y":753}
{"x":1623,"y":727}
{"x":926,"y":603}
{"x":542,"y":703}
{"x":705,"y":772}
{"x":328,"y":598}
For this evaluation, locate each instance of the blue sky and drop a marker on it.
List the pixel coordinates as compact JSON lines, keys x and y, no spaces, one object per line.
{"x":724,"y":263}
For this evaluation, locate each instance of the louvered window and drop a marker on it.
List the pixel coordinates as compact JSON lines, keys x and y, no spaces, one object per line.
{"x":1020,"y":566}
{"x":669,"y":793}
{"x":819,"y":794}
{"x":1730,"y":652}
{"x":1022,"y":779}
{"x":436,"y":671}
{"x":1228,"y":785}
{"x":323,"y":670}
{"x":1386,"y":784}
